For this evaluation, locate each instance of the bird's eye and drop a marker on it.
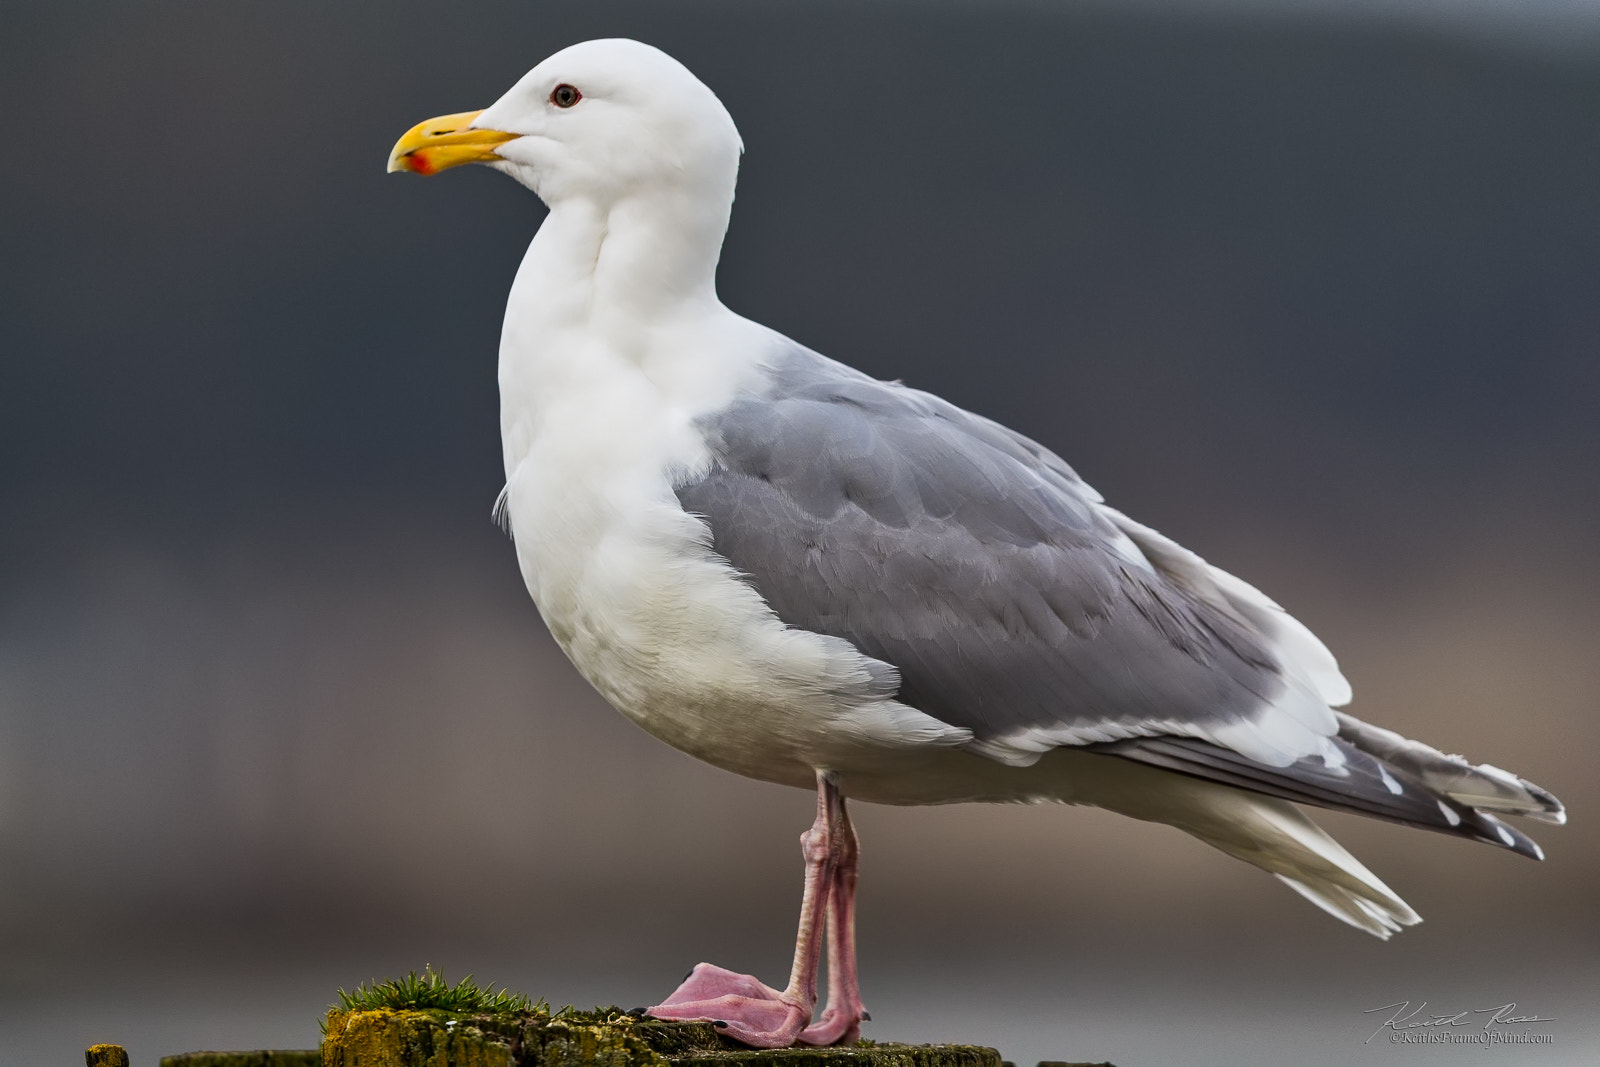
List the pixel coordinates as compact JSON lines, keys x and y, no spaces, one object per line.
{"x":565,"y":96}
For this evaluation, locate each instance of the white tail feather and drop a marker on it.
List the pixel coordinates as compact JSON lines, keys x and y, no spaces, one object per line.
{"x":1275,"y":836}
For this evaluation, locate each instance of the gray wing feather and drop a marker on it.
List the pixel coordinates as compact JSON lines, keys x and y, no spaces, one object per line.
{"x":1359,"y":782}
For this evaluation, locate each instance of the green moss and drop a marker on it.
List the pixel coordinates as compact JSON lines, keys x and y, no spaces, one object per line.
{"x":105,"y":1056}
{"x":431,"y":991}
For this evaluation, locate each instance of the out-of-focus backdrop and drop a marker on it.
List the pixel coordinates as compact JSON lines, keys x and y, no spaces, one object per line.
{"x":1312,"y":287}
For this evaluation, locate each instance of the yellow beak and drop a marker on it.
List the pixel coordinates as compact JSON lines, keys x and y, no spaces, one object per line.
{"x":445,"y":142}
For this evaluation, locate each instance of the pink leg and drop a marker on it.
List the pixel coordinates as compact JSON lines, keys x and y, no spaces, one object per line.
{"x":744,"y":1008}
{"x":841,"y":1022}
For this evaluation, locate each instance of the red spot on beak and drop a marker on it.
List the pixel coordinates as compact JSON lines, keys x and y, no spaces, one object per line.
{"x":416,"y":163}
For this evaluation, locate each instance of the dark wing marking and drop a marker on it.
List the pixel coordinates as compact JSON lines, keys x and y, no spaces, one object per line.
{"x":1481,"y":786}
{"x":1363,"y":784}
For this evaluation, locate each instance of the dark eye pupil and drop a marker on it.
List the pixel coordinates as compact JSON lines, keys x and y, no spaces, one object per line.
{"x":565,"y":96}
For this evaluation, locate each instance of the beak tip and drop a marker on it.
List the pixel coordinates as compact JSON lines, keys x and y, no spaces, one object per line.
{"x":403,"y":162}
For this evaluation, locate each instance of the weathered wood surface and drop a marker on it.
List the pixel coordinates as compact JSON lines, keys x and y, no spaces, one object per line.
{"x":256,"y":1058}
{"x":590,"y":1039}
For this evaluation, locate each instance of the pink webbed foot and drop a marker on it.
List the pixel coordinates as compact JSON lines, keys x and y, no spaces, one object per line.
{"x":740,"y":1006}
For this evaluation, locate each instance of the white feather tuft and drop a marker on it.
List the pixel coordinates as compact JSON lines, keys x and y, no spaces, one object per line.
{"x":1275,"y":836}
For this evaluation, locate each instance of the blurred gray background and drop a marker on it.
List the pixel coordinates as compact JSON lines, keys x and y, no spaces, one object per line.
{"x":1312,"y":287}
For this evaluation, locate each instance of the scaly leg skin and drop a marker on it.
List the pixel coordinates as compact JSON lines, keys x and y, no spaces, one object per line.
{"x":841,"y":1022}
{"x":739,"y":1005}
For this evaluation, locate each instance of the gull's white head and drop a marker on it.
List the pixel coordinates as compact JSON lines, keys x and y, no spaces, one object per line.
{"x":602,"y":121}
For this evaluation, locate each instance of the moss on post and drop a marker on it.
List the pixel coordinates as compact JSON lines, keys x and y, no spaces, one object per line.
{"x":605,"y":1037}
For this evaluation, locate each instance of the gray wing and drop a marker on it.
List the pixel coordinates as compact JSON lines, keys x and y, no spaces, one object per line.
{"x":1014,"y":603}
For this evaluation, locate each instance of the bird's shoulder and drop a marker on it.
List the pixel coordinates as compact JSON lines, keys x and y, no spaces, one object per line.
{"x":804,"y":390}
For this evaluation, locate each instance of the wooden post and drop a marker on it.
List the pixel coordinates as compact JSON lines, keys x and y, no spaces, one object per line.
{"x":602,"y":1038}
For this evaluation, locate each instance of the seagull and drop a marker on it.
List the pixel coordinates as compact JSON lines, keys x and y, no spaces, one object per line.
{"x":801,"y":574}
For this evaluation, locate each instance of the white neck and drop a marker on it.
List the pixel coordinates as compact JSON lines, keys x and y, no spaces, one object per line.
{"x":623,"y":263}
{"x":621,"y":298}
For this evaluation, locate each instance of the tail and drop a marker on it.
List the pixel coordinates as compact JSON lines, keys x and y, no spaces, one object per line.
{"x":1263,"y":831}
{"x":1277,"y":837}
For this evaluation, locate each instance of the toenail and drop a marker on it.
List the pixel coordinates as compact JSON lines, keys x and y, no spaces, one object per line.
{"x":718,"y":1022}
{"x":866,"y":1016}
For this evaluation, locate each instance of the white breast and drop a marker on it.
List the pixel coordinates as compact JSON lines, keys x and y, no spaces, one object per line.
{"x":625,"y":579}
